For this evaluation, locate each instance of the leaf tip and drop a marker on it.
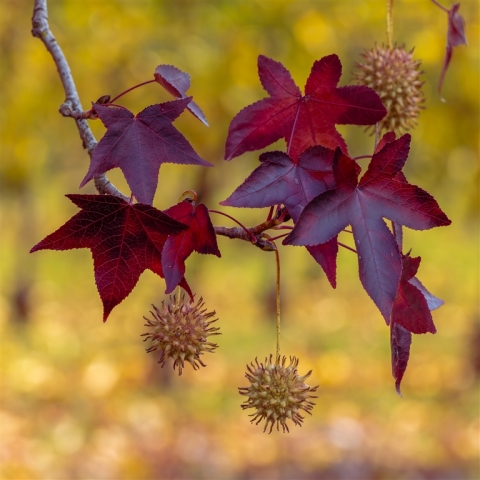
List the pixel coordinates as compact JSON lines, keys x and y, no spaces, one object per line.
{"x":397,"y":388}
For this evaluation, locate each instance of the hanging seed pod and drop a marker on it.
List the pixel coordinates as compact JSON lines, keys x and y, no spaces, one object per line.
{"x":394,"y":75}
{"x":180,"y":332}
{"x":277,"y":392}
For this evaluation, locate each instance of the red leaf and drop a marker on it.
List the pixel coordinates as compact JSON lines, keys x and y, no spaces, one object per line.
{"x":200,"y":236}
{"x":124,"y":239}
{"x":177,"y":83}
{"x":325,"y":254}
{"x":400,"y":341}
{"x":302,"y":120}
{"x":282,"y":180}
{"x":433,"y":302}
{"x":139,"y":144}
{"x":410,"y":307}
{"x":455,"y":37}
{"x":363,"y":205}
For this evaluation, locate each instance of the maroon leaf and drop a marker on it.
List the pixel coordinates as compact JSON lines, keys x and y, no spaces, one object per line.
{"x":139,"y":144}
{"x":124,"y":239}
{"x":200,"y":236}
{"x":433,"y":302}
{"x":455,"y":37}
{"x":325,"y":254}
{"x":363,"y":205}
{"x":410,"y":307}
{"x":177,"y":83}
{"x":400,"y":341}
{"x":302,"y":120}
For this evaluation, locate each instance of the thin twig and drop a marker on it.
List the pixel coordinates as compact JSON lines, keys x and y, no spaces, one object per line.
{"x":72,"y":106}
{"x":347,"y":247}
{"x":253,"y":239}
{"x":130,"y":89}
{"x":441,"y":6}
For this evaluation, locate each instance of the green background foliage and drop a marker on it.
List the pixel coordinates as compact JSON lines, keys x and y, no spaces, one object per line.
{"x":81,"y":399}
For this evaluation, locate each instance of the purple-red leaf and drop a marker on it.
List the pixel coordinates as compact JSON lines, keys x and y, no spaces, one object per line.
{"x":410,"y":307}
{"x":282,"y":180}
{"x":200,"y":237}
{"x":177,"y":83}
{"x":455,"y":37}
{"x":363,"y":205}
{"x":139,"y":144}
{"x":400,"y":341}
{"x":302,"y":120}
{"x":124,"y":239}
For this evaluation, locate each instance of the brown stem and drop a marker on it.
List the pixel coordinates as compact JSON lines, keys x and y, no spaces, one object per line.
{"x":244,"y":233}
{"x":72,"y":106}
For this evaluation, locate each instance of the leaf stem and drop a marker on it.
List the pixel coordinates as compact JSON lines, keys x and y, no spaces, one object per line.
{"x":441,"y":6}
{"x":130,"y":89}
{"x":279,"y":236}
{"x":390,"y":23}
{"x":347,"y":247}
{"x":249,"y":233}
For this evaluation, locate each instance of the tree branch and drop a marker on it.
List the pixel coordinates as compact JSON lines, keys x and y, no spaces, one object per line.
{"x":72,"y":106}
{"x":263,"y":241}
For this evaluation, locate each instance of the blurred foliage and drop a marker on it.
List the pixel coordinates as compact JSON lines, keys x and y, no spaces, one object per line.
{"x":82,"y":400}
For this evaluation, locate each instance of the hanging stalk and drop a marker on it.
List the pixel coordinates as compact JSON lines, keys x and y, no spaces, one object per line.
{"x":277,"y":260}
{"x":390,"y":23}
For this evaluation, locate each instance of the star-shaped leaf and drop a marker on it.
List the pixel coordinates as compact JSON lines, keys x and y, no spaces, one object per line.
{"x":200,"y":237}
{"x":282,"y":180}
{"x":363,"y":205}
{"x":125,"y":240}
{"x":139,"y":144}
{"x":177,"y":83}
{"x":302,"y":120}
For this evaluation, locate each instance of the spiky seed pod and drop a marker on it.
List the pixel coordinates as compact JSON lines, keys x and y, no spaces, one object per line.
{"x":277,"y":392}
{"x":394,"y":75}
{"x":180,"y":332}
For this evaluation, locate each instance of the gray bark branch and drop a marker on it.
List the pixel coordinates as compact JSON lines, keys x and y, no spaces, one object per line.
{"x":72,"y":106}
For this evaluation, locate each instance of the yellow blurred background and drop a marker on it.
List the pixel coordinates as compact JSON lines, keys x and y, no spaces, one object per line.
{"x":82,"y":400}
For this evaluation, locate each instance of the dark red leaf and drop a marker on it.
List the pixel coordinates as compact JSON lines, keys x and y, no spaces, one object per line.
{"x":177,"y":83}
{"x":302,"y":120}
{"x":433,"y":302}
{"x":363,"y":205}
{"x":455,"y":37}
{"x":400,"y":341}
{"x":410,"y":308}
{"x":325,"y":254}
{"x":124,"y":239}
{"x":139,"y":144}
{"x":200,"y":237}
